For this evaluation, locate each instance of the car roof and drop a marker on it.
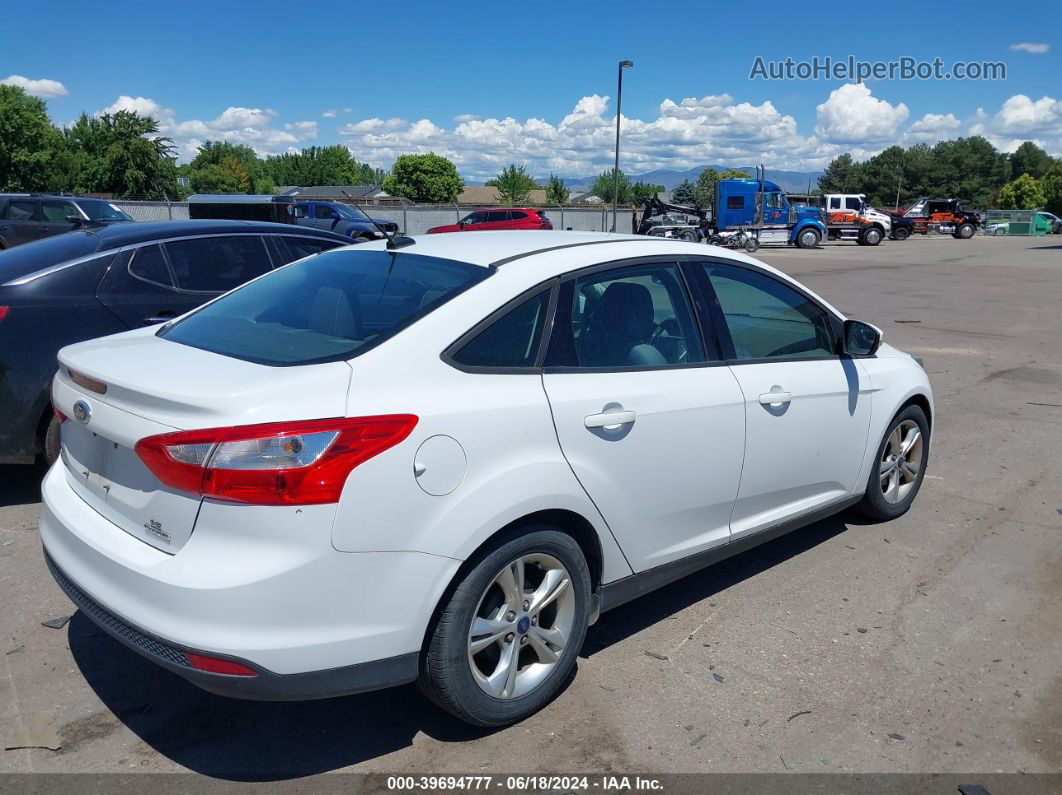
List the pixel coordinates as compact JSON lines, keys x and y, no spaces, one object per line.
{"x":491,"y":248}
{"x":128,"y":234}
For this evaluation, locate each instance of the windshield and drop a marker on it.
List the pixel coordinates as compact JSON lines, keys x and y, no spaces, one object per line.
{"x":103,"y":211}
{"x":325,"y":308}
{"x":351,"y":213}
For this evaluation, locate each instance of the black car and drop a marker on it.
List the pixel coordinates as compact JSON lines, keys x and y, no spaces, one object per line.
{"x":25,"y":217}
{"x":100,"y":281}
{"x":327,"y":216}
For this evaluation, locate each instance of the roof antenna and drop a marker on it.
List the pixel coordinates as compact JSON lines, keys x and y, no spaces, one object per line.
{"x":393,"y":241}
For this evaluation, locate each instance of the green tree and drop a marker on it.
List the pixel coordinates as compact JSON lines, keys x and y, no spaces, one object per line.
{"x":428,"y":178}
{"x":28,"y":142}
{"x":1052,"y":185}
{"x":685,"y":193}
{"x":1029,"y":159}
{"x":704,"y":190}
{"x":1024,"y":193}
{"x":641,"y":192}
{"x":967,"y":168}
{"x":514,"y":185}
{"x":224,"y":167}
{"x":842,"y":175}
{"x":556,"y":192}
{"x":117,"y":154}
{"x":319,"y":165}
{"x":604,"y":186}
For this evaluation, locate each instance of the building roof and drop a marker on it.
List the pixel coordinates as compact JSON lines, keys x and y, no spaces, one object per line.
{"x":487,"y":194}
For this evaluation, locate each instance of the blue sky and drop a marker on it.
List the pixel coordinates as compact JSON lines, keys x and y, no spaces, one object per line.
{"x":529,"y":86}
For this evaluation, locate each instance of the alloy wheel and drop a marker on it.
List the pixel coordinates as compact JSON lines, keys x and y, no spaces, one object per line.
{"x":901,"y":461}
{"x":521,"y":626}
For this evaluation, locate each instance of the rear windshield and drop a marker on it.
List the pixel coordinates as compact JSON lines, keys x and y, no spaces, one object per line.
{"x":324,"y":308}
{"x":19,"y":261}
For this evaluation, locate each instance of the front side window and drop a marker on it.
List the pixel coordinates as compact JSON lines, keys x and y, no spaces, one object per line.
{"x":324,"y":211}
{"x":57,"y":212}
{"x":217,"y":264}
{"x":853,"y":203}
{"x":510,"y":341}
{"x":637,"y":316}
{"x":474,"y":218}
{"x":327,"y":308}
{"x":300,"y":247}
{"x":767,"y":319}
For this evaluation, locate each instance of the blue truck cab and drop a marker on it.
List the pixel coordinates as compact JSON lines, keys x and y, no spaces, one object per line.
{"x":761,"y":204}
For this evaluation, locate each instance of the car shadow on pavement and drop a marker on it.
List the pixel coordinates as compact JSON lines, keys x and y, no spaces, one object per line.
{"x":633,"y":617}
{"x":271,"y":741}
{"x":20,"y":485}
{"x":251,"y":740}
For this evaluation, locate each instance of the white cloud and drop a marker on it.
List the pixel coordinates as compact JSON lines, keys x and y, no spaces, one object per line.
{"x":38,"y":88}
{"x":1022,"y":119}
{"x":1035,"y":49}
{"x":328,"y":114}
{"x":933,"y":127}
{"x":852,"y":116}
{"x":249,"y":126}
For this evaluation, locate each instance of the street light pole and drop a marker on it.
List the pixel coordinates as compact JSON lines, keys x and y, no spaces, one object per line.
{"x":615,"y":169}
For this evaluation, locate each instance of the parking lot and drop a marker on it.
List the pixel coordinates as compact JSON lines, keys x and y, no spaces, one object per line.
{"x":932,"y":643}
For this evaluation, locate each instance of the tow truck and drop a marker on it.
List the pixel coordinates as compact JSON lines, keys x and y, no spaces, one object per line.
{"x":849,"y":217}
{"x":942,"y":216}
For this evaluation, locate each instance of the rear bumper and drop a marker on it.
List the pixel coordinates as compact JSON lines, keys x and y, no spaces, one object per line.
{"x":263,"y":588}
{"x":265,"y":685}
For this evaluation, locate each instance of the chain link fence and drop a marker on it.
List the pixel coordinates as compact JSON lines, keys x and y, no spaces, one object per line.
{"x":416,"y":219}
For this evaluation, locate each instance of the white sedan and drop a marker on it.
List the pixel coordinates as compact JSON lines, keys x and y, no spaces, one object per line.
{"x":440,"y":462}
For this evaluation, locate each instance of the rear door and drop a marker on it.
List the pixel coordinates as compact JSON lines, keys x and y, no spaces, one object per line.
{"x":20,"y":221}
{"x":324,"y":217}
{"x":652,"y":427}
{"x":807,"y":409}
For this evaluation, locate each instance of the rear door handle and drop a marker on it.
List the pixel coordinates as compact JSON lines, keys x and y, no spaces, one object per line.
{"x":776,"y":397}
{"x":610,"y":419}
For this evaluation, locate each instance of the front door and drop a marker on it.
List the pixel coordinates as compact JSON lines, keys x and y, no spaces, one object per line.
{"x":807,"y":409}
{"x":652,"y":429}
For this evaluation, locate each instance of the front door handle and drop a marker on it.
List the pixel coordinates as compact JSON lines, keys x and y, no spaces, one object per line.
{"x":609,"y":420}
{"x":776,"y":397}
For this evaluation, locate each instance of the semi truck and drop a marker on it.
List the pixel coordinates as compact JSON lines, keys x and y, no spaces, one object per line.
{"x":761,"y":208}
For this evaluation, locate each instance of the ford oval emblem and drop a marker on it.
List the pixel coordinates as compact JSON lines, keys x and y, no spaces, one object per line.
{"x":82,"y":411}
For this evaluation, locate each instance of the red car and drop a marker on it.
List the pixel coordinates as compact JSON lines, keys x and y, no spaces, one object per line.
{"x":509,"y":218}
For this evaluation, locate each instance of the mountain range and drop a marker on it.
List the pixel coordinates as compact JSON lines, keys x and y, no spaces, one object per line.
{"x":790,"y":181}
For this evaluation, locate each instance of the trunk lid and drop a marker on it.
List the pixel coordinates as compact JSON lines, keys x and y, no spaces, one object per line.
{"x":152,"y":386}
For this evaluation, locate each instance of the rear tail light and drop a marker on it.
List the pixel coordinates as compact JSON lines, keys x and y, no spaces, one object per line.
{"x":59,"y":416}
{"x":3,"y":312}
{"x":278,"y":463}
{"x":218,"y":665}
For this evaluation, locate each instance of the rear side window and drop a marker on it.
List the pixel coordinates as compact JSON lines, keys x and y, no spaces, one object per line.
{"x":510,"y":341}
{"x":217,"y":264}
{"x":150,"y":265}
{"x":516,"y":215}
{"x":327,"y":308}
{"x":18,"y":211}
{"x":735,"y":202}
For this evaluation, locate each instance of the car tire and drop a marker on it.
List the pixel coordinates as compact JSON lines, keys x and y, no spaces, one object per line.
{"x":997,"y":232}
{"x":808,"y":238}
{"x":891,"y":486}
{"x":900,"y":234}
{"x":50,"y":441}
{"x":468,"y":675}
{"x":965,"y":231}
{"x":872,"y":236}
{"x":688,"y":236}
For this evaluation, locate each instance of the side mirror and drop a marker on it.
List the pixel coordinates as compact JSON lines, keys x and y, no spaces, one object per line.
{"x":76,"y":220}
{"x":860,"y":339}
